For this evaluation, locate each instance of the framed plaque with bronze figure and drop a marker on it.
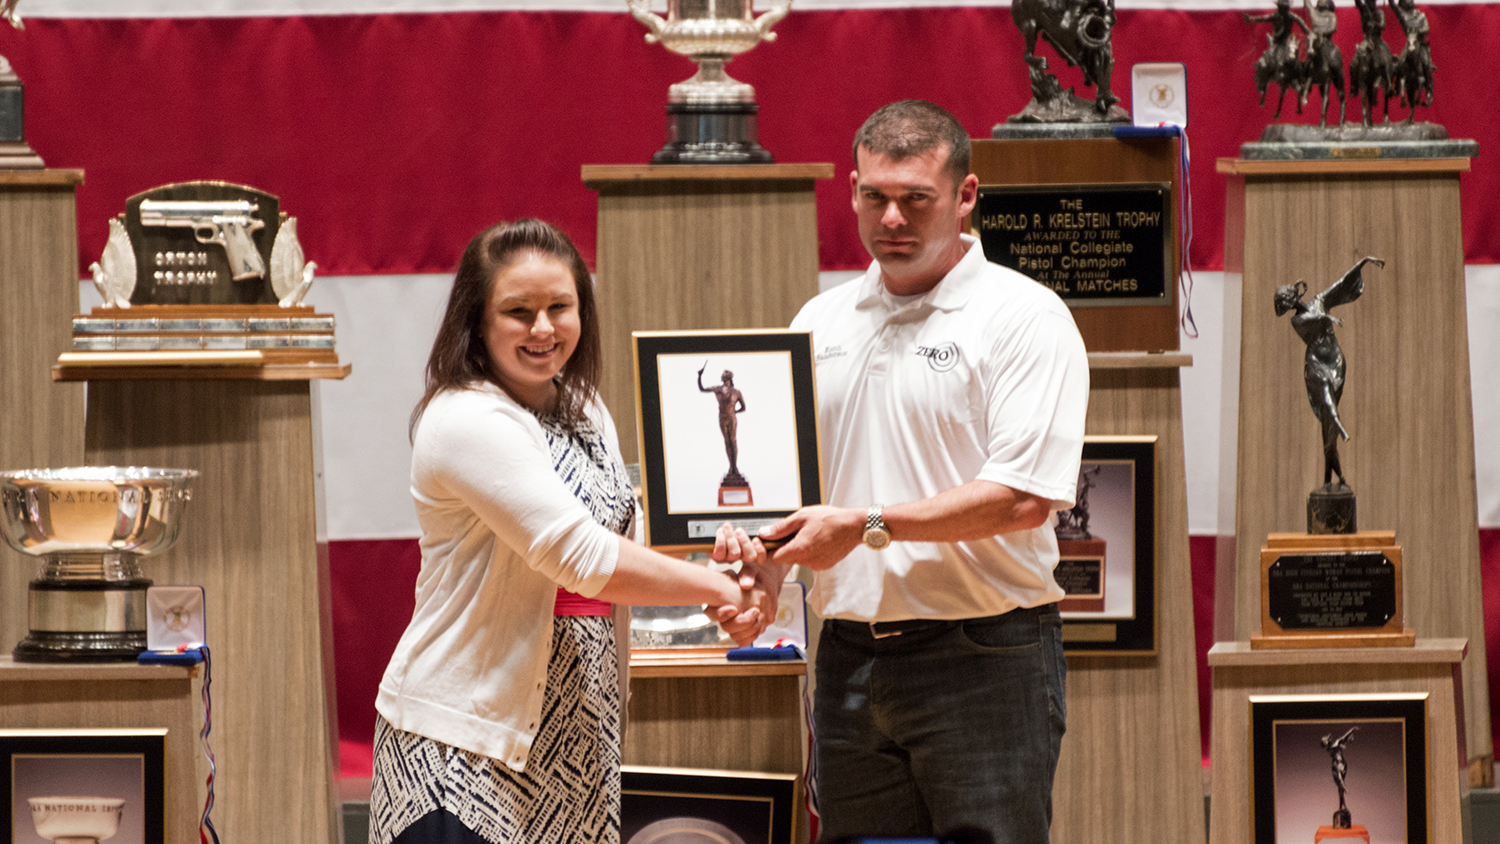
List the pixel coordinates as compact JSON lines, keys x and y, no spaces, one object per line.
{"x":1333,"y":586}
{"x":728,"y":431}
{"x":1107,"y":550}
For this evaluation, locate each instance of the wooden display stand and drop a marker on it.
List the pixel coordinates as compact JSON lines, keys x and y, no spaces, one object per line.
{"x":250,"y":538}
{"x":706,"y":712}
{"x":127,"y":696}
{"x":42,"y":426}
{"x":1101,"y":161}
{"x":698,"y":247}
{"x":1130,"y":771}
{"x":1406,"y":402}
{"x":1433,"y":666}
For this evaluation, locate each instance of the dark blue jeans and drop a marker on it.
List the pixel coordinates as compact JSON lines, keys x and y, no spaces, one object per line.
{"x":947,"y":725}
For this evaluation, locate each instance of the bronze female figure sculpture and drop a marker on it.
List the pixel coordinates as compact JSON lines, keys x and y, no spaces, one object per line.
{"x":1323,"y":368}
{"x":731,"y":402}
{"x":1335,"y":748}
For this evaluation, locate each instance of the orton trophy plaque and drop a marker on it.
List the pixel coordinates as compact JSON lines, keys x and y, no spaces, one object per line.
{"x":204,"y":268}
{"x":1331,"y":591}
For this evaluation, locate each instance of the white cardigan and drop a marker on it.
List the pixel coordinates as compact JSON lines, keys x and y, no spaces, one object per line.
{"x":500,"y":533}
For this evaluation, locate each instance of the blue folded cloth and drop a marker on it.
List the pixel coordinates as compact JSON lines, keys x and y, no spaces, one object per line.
{"x":778,"y":652}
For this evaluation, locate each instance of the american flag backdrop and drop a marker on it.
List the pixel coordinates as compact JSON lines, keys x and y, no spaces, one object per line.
{"x":394,"y":130}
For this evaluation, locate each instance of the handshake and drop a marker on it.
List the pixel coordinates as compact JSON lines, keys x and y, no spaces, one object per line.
{"x":759,"y":579}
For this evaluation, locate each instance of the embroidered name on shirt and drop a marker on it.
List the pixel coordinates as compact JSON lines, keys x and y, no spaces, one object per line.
{"x":941,"y":358}
{"x":829,"y":353}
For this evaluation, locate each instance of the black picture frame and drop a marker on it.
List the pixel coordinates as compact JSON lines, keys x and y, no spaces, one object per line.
{"x":126,"y":763}
{"x":756,"y":808}
{"x":1117,"y":488}
{"x":1386,"y":765}
{"x":684,"y":458}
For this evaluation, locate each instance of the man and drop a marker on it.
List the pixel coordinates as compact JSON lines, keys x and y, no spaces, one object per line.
{"x":952,"y":391}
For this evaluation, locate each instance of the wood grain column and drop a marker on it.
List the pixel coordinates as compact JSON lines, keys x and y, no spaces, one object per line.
{"x":1406,"y":403}
{"x":36,"y":696}
{"x":249,"y":537}
{"x":1131,"y":766}
{"x":1432,"y":667}
{"x":42,"y":422}
{"x":684,"y":247}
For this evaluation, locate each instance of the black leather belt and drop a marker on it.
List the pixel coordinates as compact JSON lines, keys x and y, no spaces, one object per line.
{"x":886,"y":629}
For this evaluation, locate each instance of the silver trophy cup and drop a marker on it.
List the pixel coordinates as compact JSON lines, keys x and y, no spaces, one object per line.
{"x":710,"y":116}
{"x":90,"y":525}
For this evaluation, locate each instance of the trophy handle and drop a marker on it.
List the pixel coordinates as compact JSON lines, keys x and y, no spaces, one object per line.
{"x":641,"y":11}
{"x":771,"y":17}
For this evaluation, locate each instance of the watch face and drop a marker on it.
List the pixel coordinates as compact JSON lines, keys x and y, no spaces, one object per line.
{"x":877,"y":538}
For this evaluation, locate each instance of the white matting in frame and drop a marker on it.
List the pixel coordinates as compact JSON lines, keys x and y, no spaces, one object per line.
{"x":693,"y":447}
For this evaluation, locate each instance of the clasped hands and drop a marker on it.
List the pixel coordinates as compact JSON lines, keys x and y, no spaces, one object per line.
{"x":759,"y":579}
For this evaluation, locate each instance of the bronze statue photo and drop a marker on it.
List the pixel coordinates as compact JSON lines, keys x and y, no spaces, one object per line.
{"x":731,"y":403}
{"x":1074,"y":523}
{"x":1079,"y":30}
{"x":1323,"y":371}
{"x":1335,"y":748}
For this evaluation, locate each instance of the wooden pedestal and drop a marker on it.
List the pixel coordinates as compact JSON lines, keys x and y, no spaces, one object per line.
{"x":250,"y":538}
{"x":698,"y":247}
{"x":42,"y":424}
{"x":707,"y":712}
{"x":1131,"y":764}
{"x":124,"y":696}
{"x":1433,"y":666}
{"x":1099,"y":161}
{"x":1406,"y":400}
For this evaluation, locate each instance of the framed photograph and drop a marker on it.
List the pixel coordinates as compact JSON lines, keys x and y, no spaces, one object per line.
{"x":728,"y":426}
{"x":659,"y":805}
{"x":84,"y":784}
{"x":1339,"y":767}
{"x":1107,"y":545}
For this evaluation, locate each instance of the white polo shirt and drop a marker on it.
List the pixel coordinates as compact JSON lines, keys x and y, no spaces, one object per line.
{"x":983,"y":377}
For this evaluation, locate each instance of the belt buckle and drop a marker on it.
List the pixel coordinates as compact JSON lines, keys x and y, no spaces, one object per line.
{"x":876,"y":634}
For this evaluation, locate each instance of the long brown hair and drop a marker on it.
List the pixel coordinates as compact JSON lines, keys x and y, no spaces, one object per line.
{"x":459,"y":357}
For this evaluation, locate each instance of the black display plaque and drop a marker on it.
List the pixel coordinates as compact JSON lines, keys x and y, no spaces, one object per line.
{"x":1080,"y":577}
{"x":1331,"y":591}
{"x":1092,"y":244}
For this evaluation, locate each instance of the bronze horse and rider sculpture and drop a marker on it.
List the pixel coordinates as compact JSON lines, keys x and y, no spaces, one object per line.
{"x":1375,"y":74}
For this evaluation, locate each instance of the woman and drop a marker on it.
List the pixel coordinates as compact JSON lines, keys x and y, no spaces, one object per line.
{"x":500,"y":709}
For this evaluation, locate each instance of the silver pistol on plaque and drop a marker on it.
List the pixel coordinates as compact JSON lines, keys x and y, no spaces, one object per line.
{"x":228,"y":223}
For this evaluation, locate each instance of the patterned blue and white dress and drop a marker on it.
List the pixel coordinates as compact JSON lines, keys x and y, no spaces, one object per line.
{"x":425,"y":792}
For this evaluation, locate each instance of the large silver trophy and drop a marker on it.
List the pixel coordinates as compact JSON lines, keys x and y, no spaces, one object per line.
{"x":90,"y":525}
{"x":710,"y":116}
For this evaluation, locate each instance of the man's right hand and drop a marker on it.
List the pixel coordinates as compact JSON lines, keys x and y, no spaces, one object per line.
{"x":823,"y":536}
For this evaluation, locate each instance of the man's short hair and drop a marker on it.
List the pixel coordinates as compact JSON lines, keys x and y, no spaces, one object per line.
{"x":912,"y":127}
